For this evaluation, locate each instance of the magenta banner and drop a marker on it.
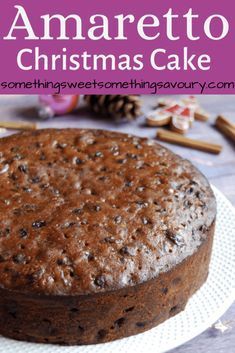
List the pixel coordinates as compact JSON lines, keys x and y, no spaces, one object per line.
{"x":117,"y":47}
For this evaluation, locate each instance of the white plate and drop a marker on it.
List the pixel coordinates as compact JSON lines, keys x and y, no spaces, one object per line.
{"x":203,"y":309}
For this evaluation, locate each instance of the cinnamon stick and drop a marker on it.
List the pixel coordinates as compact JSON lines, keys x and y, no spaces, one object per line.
{"x":17,"y":125}
{"x":201,"y":115}
{"x":226,"y":127}
{"x":222,"y":120}
{"x":177,"y":139}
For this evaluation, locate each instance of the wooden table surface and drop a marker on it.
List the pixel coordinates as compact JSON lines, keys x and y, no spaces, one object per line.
{"x":219,"y":169}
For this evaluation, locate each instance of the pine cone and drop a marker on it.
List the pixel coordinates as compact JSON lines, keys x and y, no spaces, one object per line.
{"x":116,"y":106}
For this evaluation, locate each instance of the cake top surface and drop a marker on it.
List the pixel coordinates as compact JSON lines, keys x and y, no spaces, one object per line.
{"x":86,"y":211}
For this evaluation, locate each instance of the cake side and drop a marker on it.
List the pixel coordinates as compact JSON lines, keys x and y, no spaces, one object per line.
{"x":91,"y":211}
{"x":103,"y":317}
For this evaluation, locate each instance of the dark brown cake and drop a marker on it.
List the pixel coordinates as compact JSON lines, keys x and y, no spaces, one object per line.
{"x":102,"y":235}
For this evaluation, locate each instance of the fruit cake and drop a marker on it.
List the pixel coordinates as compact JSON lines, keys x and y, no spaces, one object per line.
{"x":102,"y":235}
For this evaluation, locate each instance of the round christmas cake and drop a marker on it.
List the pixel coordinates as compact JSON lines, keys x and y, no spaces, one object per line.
{"x":102,"y":235}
